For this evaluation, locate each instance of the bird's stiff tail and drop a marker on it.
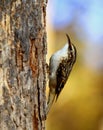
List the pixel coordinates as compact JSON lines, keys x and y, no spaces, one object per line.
{"x":50,"y":101}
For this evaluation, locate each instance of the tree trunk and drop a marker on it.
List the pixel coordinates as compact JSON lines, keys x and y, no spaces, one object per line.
{"x":22,"y":64}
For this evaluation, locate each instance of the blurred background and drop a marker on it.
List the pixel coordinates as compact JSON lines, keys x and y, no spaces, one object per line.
{"x":80,"y":104}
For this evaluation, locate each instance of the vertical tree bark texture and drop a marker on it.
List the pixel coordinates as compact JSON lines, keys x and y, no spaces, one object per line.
{"x":22,"y":64}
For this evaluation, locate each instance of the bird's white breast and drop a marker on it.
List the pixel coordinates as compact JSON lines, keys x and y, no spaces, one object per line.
{"x":57,"y":58}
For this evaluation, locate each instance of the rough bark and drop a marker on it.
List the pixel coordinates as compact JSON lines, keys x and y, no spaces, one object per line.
{"x":22,"y":64}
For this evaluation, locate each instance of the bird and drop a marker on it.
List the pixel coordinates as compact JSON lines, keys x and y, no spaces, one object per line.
{"x":60,"y":66}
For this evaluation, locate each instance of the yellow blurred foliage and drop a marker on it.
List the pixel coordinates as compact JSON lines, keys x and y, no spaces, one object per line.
{"x":80,"y":104}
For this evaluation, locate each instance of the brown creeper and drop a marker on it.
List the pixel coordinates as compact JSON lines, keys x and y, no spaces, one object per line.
{"x":60,"y":66}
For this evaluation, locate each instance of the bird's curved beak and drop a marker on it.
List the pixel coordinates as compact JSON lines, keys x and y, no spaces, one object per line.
{"x":69,"y":42}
